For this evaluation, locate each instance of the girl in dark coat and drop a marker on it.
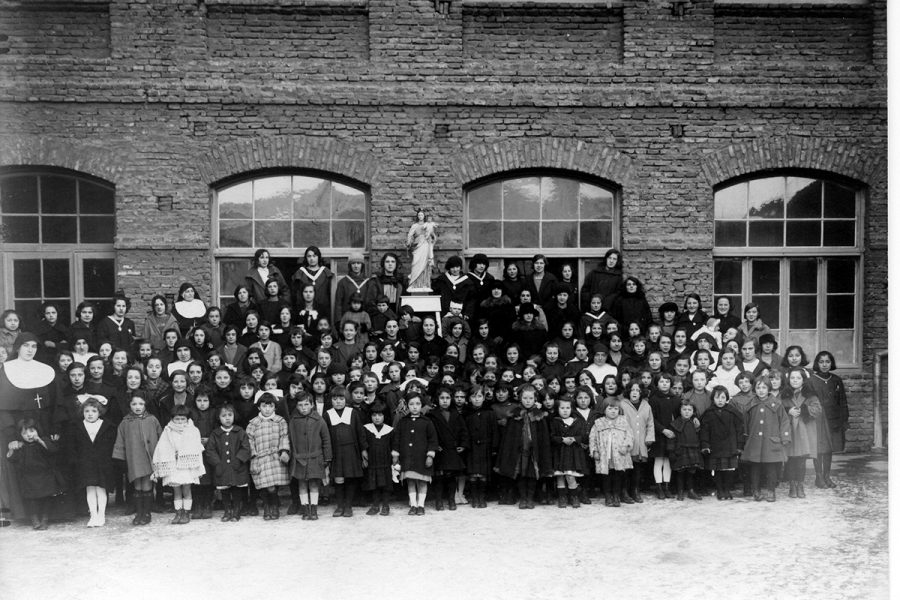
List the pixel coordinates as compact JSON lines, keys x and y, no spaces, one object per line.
{"x":630,"y":305}
{"x":498,"y":309}
{"x":414,"y":447}
{"x":236,"y":312}
{"x":348,"y":443}
{"x":228,"y":453}
{"x":389,"y":282}
{"x":261,"y":270}
{"x":692,"y":317}
{"x":311,"y":456}
{"x":313,"y":271}
{"x":541,"y":284}
{"x":205,"y":418}
{"x":513,"y":281}
{"x":453,"y":440}
{"x":481,"y":423}
{"x":721,"y":440}
{"x":665,"y":407}
{"x":525,"y":453}
{"x":768,"y":431}
{"x":833,"y":423}
{"x":568,"y":435}
{"x":686,"y":451}
{"x":35,"y":468}
{"x":379,"y":439}
{"x":92,"y":444}
{"x":724,"y":312}
{"x":604,"y":279}
{"x":527,"y":333}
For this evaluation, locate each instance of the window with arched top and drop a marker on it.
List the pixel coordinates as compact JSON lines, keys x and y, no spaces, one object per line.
{"x":285,"y":213}
{"x":57,"y":229}
{"x":792,"y":243}
{"x":571,"y":219}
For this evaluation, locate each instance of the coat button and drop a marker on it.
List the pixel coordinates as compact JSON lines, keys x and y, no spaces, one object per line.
{"x":762,"y":410}
{"x":760,"y":433}
{"x":410,"y":444}
{"x":761,"y":422}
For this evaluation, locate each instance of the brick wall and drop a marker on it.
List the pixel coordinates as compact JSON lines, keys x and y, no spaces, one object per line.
{"x":79,"y":29}
{"x":430,"y":112}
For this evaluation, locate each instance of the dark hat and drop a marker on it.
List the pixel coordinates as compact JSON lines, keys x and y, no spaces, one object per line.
{"x":356,"y":297}
{"x":495,"y":284}
{"x":600,"y":347}
{"x":382,"y":298}
{"x":526,"y":308}
{"x":768,"y":338}
{"x":561,"y":287}
{"x":479,"y":259}
{"x":668,"y":307}
{"x":453,"y":261}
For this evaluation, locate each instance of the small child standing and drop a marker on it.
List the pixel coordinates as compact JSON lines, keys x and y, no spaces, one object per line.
{"x":481,"y":423}
{"x":206,"y":420}
{"x":228,"y":453}
{"x":36,"y":471}
{"x":413,"y":448}
{"x":525,"y":455}
{"x":348,"y":445}
{"x":721,"y":440}
{"x":378,"y":479}
{"x":637,"y":412}
{"x":686,"y":458}
{"x":310,"y":454}
{"x":270,"y":451}
{"x":93,"y":444}
{"x":178,"y":461}
{"x":610,"y":443}
{"x":768,"y":431}
{"x":136,"y":441}
{"x":568,"y":436}
{"x":453,"y":440}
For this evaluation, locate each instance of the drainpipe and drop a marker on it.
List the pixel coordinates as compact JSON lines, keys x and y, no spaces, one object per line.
{"x":878,"y":445}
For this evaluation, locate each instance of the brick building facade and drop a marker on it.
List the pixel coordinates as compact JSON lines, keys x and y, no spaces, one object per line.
{"x":669,"y":107}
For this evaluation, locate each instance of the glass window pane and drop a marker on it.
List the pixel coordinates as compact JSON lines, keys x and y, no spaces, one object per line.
{"x":766,"y":233}
{"x":804,"y":233}
{"x":840,"y":233}
{"x":18,"y":194}
{"x":841,"y":275}
{"x":273,"y":234}
{"x":311,"y":233}
{"x":484,"y":201}
{"x":804,"y":198}
{"x":235,"y":234}
{"x":349,"y":234}
{"x":349,"y":203}
{"x":731,"y":202}
{"x":766,"y":198}
{"x":596,"y":234}
{"x":56,"y":278}
{"x":840,"y":201}
{"x":520,"y":234}
{"x":98,"y":230}
{"x":99,"y":277}
{"x":731,"y":233}
{"x":484,"y":234}
{"x":803,"y":276}
{"x":27,"y":278}
{"x":803,"y":312}
{"x":765,"y":277}
{"x":272,"y":198}
{"x":312,"y":198}
{"x":522,"y":199}
{"x":96,"y":199}
{"x":727,"y":277}
{"x":768,"y":310}
{"x":58,"y":195}
{"x":595,"y":202}
{"x":20,"y":230}
{"x":559,"y":198}
{"x":59,"y":230}
{"x":29,"y":312}
{"x":840,"y":344}
{"x":231,"y":275}
{"x":808,"y":339}
{"x":236,"y":202}
{"x":839,"y":311}
{"x":559,"y":235}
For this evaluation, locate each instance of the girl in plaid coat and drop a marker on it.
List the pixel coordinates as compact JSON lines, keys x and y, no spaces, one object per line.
{"x":270,"y":452}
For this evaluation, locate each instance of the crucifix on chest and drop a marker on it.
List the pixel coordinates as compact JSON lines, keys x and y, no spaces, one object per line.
{"x":37,"y":400}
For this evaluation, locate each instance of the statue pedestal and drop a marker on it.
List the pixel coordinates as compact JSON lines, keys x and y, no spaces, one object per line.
{"x":425,"y":305}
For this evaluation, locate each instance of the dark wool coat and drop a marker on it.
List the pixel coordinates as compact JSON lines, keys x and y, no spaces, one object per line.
{"x":665,"y":410}
{"x":135,"y":442}
{"x":484,"y":440}
{"x":804,"y":429}
{"x":79,"y":329}
{"x":228,"y":453}
{"x":557,"y":316}
{"x":541,"y":296}
{"x":452,"y":434}
{"x":58,"y":334}
{"x":206,"y":422}
{"x":93,"y":460}
{"x":310,"y":445}
{"x":569,"y":458}
{"x":414,"y":439}
{"x":120,"y":336}
{"x":322,"y":285}
{"x":347,"y":444}
{"x":500,"y":315}
{"x":722,"y":431}
{"x":631,"y":308}
{"x":601,"y":281}
{"x":686,"y":453}
{"x":691,"y":324}
{"x":463,"y":291}
{"x":347,"y":286}
{"x":257,"y":286}
{"x":538,"y":458}
{"x":36,"y":471}
{"x":378,"y":471}
{"x":835,"y":412}
{"x":236,"y":315}
{"x":768,"y":430}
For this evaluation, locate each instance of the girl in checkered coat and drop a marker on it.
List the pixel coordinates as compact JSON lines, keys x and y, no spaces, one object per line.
{"x":270,"y":452}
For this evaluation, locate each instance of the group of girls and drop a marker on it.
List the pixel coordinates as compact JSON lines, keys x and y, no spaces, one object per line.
{"x":517,"y":393}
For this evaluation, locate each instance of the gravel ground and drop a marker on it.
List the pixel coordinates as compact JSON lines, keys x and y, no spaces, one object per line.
{"x":834,"y":544}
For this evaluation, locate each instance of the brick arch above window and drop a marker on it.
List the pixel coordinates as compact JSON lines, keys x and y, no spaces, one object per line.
{"x":476,"y":162}
{"x":283,"y":152}
{"x":102,"y":162}
{"x":791,"y":152}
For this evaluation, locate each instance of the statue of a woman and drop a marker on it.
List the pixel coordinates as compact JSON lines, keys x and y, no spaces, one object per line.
{"x":420,"y":243}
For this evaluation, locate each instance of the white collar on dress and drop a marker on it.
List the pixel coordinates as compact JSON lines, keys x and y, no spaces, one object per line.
{"x":337,"y":419}
{"x":385,"y":429}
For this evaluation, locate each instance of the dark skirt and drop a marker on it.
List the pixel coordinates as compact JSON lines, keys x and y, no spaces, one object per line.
{"x":377,"y":478}
{"x":686,"y":458}
{"x":721,"y":463}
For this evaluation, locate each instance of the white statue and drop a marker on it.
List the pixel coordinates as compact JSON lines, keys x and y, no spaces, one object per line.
{"x":420,"y":243}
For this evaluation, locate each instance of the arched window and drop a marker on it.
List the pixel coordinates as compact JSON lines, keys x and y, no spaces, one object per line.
{"x":569,"y":219}
{"x":57,"y":229}
{"x":285,"y":213}
{"x":792,"y":243}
